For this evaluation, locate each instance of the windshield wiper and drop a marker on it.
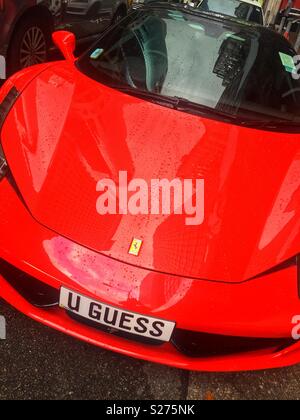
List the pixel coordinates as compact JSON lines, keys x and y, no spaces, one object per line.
{"x":150,"y":96}
{"x":272,"y":124}
{"x":203,"y":110}
{"x":176,"y":102}
{"x":185,"y":105}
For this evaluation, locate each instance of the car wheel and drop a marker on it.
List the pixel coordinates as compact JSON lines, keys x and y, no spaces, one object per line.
{"x":119,"y":15}
{"x":29,"y":45}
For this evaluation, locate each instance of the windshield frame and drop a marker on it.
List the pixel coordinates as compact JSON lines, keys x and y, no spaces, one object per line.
{"x":278,"y":125}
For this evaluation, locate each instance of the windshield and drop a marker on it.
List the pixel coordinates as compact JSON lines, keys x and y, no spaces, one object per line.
{"x":233,"y":8}
{"x":222,"y":66}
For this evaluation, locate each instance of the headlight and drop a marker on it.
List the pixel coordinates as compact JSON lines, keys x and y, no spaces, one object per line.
{"x":5,"y":107}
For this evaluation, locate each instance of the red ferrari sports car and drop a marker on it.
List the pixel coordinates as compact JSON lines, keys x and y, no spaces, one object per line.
{"x":169,"y":100}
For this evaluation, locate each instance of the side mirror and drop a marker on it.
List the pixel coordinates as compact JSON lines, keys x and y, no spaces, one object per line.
{"x":66,"y":43}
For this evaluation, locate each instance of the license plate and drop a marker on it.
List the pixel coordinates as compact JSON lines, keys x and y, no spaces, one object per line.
{"x":116,"y":318}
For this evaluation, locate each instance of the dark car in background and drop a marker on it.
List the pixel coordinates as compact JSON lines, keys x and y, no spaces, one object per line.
{"x":247,"y":10}
{"x":244,"y":10}
{"x":26,"y":25}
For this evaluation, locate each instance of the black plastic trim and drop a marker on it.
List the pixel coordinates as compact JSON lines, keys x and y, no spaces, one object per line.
{"x":196,"y":344}
{"x":34,"y":291}
{"x":7,"y":103}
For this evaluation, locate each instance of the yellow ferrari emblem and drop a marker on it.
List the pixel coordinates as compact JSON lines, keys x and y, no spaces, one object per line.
{"x":135,"y":247}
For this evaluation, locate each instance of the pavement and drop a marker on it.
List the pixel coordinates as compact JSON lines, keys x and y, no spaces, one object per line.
{"x":39,"y":363}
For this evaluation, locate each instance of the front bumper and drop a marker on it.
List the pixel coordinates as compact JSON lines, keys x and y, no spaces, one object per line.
{"x":261,"y":308}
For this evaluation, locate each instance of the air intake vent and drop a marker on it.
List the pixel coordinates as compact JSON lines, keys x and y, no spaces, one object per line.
{"x":194,"y":344}
{"x":34,"y":291}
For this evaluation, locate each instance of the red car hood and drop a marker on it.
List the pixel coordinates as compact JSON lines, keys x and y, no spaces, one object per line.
{"x":66,"y":132}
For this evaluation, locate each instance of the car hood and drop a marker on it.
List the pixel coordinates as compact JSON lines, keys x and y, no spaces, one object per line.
{"x":66,"y":132}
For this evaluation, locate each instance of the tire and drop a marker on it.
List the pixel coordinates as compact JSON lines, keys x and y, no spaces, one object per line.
{"x":119,"y":15}
{"x":29,"y":44}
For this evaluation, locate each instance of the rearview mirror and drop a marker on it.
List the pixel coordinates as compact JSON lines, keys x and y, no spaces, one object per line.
{"x":66,"y":43}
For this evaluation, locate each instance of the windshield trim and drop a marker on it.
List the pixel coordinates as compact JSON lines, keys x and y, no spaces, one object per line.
{"x":279,"y":125}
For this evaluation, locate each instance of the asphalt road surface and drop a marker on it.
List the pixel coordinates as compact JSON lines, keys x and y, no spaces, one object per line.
{"x":40,"y":363}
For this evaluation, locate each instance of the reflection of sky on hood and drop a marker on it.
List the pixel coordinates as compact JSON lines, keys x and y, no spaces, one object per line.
{"x":113,"y":281}
{"x":284,"y":208}
{"x":50,"y":116}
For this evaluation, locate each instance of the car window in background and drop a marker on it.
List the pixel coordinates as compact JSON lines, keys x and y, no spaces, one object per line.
{"x":233,"y":8}
{"x":217,"y":64}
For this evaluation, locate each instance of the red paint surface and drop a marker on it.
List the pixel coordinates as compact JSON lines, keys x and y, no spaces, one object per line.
{"x":66,"y":131}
